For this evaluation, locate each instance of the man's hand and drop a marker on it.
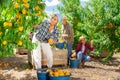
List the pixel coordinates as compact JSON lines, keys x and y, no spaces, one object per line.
{"x":65,"y":36}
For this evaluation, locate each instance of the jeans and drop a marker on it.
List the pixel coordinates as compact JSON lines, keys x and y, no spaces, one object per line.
{"x":82,"y":57}
{"x":69,"y":49}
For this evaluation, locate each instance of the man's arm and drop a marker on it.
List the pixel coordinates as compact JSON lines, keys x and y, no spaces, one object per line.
{"x":71,"y":32}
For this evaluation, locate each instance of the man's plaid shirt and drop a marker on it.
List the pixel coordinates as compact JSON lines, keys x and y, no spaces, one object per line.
{"x":43,"y":34}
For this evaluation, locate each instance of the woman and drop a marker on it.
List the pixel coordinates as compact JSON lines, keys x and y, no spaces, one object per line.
{"x":47,"y":33}
{"x":82,"y":49}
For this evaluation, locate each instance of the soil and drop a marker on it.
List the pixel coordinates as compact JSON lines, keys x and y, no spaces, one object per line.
{"x":16,"y":67}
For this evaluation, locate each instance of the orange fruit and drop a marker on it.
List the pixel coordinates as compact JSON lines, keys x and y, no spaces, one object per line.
{"x":18,"y":16}
{"x":39,"y":13}
{"x":37,"y":8}
{"x":16,"y":5}
{"x":73,"y":55}
{"x":5,"y":24}
{"x":25,"y":1}
{"x":56,"y":74}
{"x":26,"y":5}
{"x":20,"y":28}
{"x":67,"y":73}
{"x":61,"y":74}
{"x":61,"y":40}
{"x":50,"y":40}
{"x":6,"y":64}
{"x":20,"y":43}
{"x":4,"y":42}
{"x":110,"y":25}
{"x":10,"y":24}
{"x":24,"y":11}
{"x":18,"y":0}
{"x":48,"y":70}
{"x":73,"y":58}
{"x":0,"y":33}
{"x":51,"y":73}
{"x":105,"y":27}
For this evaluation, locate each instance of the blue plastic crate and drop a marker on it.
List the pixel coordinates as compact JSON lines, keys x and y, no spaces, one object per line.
{"x":59,"y":77}
{"x":42,"y":74}
{"x":74,"y":63}
{"x":60,"y":45}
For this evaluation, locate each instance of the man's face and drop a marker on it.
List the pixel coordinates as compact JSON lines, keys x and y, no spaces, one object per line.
{"x":64,"y":21}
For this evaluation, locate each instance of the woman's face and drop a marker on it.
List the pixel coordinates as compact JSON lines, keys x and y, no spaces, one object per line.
{"x":54,"y":20}
{"x":83,"y":41}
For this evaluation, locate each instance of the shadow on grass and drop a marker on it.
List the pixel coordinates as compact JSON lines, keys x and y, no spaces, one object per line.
{"x":10,"y":77}
{"x":93,"y":67}
{"x":19,"y":61}
{"x":28,"y":77}
{"x":114,"y":61}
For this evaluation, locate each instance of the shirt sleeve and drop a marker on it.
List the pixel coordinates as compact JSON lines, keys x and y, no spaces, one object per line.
{"x":90,"y":48}
{"x":71,"y":33}
{"x":77,"y":48}
{"x":39,"y":27}
{"x":55,"y":34}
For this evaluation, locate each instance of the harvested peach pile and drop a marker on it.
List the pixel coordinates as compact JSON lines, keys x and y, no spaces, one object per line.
{"x":59,"y":72}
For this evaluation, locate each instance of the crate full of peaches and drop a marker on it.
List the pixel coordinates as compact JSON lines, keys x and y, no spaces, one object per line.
{"x":59,"y":74}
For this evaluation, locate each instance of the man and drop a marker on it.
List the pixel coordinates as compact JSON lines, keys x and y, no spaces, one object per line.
{"x":67,"y":35}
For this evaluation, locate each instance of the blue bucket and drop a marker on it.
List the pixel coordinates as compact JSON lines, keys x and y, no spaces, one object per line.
{"x":59,"y":77}
{"x":42,"y":75}
{"x":74,"y":63}
{"x":60,"y":45}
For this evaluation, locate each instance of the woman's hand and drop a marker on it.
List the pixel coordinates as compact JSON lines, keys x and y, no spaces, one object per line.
{"x":73,"y":54}
{"x":54,"y":41}
{"x":35,"y":25}
{"x":51,"y":41}
{"x":92,"y":43}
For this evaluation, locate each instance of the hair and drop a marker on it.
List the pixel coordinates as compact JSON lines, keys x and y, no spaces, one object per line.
{"x":54,"y":15}
{"x":64,"y":18}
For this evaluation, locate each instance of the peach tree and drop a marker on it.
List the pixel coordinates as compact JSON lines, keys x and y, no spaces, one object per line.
{"x":98,"y":20}
{"x":17,"y":18}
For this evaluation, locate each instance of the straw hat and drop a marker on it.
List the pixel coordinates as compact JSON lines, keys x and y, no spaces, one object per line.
{"x":81,"y":37}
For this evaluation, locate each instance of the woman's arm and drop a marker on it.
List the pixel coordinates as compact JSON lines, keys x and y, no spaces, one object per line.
{"x":78,"y":48}
{"x":90,"y":47}
{"x":54,"y":35}
{"x":38,"y":27}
